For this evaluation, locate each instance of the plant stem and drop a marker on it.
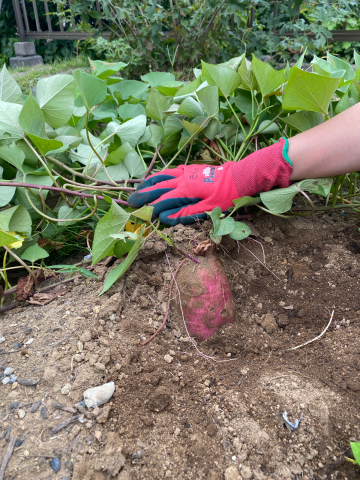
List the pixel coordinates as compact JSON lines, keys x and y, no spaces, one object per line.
{"x":187,"y":141}
{"x":58,"y":189}
{"x":93,"y":149}
{"x":18,"y":259}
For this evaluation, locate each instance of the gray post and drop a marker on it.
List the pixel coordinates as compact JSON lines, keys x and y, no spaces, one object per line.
{"x":25,"y":55}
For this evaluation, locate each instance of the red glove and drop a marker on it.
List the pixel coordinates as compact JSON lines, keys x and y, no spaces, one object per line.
{"x":185,"y":193}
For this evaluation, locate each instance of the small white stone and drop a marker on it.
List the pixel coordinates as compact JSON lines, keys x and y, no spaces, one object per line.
{"x":168,"y":358}
{"x":233,"y":458}
{"x":96,"y":396}
{"x":9,"y":370}
{"x":80,"y":346}
{"x":5,"y":380}
{"x":2,"y":339}
{"x":29,"y":342}
{"x":229,"y":354}
{"x":172,"y":353}
{"x":244,"y":371}
{"x":177,"y":431}
{"x":21,"y":413}
{"x":66,"y":389}
{"x":268,"y":239}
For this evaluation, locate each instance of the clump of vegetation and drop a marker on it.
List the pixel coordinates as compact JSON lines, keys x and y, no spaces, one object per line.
{"x":73,"y":155}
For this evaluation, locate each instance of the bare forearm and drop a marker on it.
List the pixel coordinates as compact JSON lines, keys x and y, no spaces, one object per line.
{"x":332,"y":148}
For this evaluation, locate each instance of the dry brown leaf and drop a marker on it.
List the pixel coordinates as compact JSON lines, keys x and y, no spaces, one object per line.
{"x":203,"y":247}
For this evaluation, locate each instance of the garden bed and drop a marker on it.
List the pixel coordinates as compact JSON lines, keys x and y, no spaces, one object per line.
{"x":197,"y":417}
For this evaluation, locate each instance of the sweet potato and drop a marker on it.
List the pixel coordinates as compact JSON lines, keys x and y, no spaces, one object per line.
{"x":206,"y":297}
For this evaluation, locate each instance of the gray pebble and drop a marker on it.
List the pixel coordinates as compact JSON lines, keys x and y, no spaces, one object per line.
{"x":27,"y":382}
{"x":14,"y":405}
{"x":18,"y":443}
{"x":43,"y":413}
{"x":35,"y":407}
{"x":55,"y":464}
{"x":5,"y":380}
{"x":9,"y":370}
{"x":13,"y":378}
{"x":82,"y":404}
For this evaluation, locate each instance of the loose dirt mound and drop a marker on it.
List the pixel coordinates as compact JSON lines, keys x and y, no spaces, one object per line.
{"x":179,"y":415}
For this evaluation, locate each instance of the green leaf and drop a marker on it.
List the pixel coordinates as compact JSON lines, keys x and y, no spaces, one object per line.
{"x":9,"y":121}
{"x":248,"y":80}
{"x":118,"y":271}
{"x":156,"y":135}
{"x":172,"y":125}
{"x":144,"y":213}
{"x":105,"y":69}
{"x":31,"y":118}
{"x":355,"y":447}
{"x":190,"y":108}
{"x":356,"y":59}
{"x":268,"y":127}
{"x":156,"y":79}
{"x":169,"y":88}
{"x":301,"y":121}
{"x":128,"y":88}
{"x":156,"y":105}
{"x":215,"y":215}
{"x":187,"y":90}
{"x":244,"y":202}
{"x":268,"y":79}
{"x":92,"y":90}
{"x":223,"y":77}
{"x":226,"y":226}
{"x":113,"y":221}
{"x":45,"y":145}
{"x":85,"y":273}
{"x":71,"y":140}
{"x":300,"y":61}
{"x":6,"y":239}
{"x":233,"y":62}
{"x":134,"y":165}
{"x":13,"y":155}
{"x":191,"y":128}
{"x":240,"y":232}
{"x":130,"y":131}
{"x":117,"y":156}
{"x":122,"y":247}
{"x":209,"y":100}
{"x":34,"y":253}
{"x":116,"y":173}
{"x":309,"y":91}
{"x":128,"y":111}
{"x":16,"y":219}
{"x":9,"y":89}
{"x":341,"y":65}
{"x":243,"y":101}
{"x":280,"y":199}
{"x":56,"y":98}
{"x":6,"y":195}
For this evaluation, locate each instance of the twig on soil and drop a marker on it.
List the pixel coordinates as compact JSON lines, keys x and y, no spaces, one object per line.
{"x":319,"y":336}
{"x":64,"y":424}
{"x":75,"y":442}
{"x":7,"y":457}
{"x":167,"y":309}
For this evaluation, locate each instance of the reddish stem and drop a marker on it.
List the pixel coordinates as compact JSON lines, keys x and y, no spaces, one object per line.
{"x":57,"y":189}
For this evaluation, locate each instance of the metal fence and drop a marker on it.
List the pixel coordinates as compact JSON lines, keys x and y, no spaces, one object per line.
{"x":56,"y":30}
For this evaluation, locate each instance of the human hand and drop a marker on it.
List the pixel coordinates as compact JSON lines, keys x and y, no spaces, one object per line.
{"x":185,"y":193}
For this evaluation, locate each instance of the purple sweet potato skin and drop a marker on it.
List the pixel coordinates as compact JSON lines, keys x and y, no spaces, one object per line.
{"x":206,"y":297}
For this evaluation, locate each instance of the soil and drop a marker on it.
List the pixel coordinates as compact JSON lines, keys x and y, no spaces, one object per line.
{"x":180,"y":414}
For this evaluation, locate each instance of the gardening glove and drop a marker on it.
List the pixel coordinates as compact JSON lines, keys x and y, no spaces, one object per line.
{"x":185,"y":193}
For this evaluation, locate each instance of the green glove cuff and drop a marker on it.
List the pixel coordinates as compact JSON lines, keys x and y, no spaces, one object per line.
{"x":286,"y":150}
